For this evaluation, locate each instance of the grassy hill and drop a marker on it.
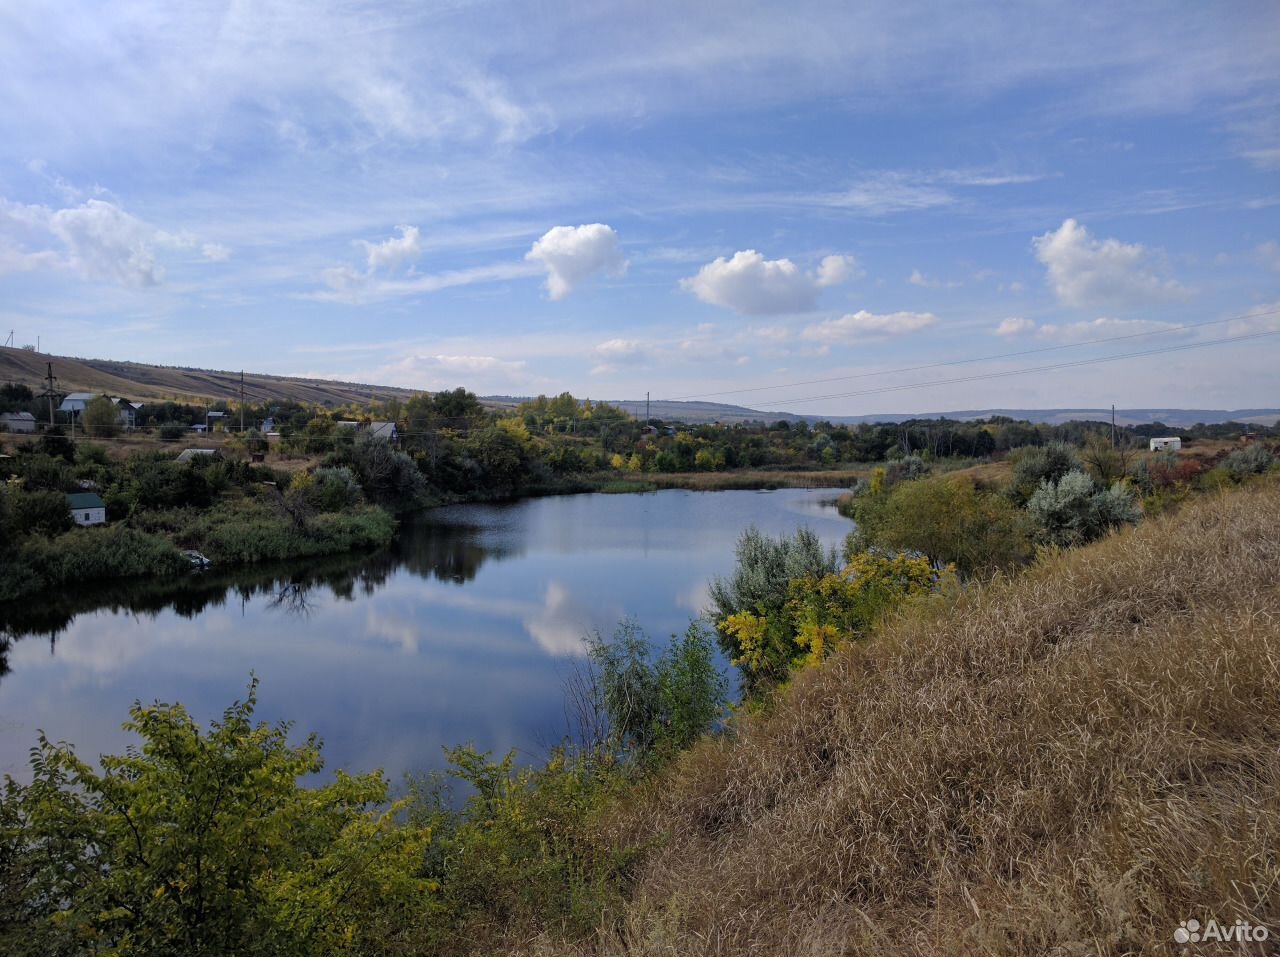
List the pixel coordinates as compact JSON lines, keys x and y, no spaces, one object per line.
{"x":1073,"y":761}
{"x":141,"y":382}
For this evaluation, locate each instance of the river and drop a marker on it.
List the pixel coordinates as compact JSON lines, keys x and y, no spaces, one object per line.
{"x":462,"y":632}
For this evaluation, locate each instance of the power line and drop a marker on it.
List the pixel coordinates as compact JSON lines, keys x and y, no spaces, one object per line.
{"x":1031,"y":369}
{"x":1005,"y":355}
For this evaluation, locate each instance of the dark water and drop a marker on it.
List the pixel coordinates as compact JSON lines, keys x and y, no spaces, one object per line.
{"x":461,"y":633}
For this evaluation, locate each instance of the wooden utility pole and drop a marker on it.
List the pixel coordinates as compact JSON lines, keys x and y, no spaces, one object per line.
{"x":242,"y":402}
{"x":1113,"y":425}
{"x":646,"y":408}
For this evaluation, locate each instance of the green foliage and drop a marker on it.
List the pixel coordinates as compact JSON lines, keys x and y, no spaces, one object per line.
{"x":946,"y":518}
{"x":40,"y":512}
{"x":523,"y":856}
{"x":1251,"y":460}
{"x":172,"y":431}
{"x":205,"y":842}
{"x":250,"y":530}
{"x":1075,"y":509}
{"x":823,"y":612}
{"x":765,"y":567}
{"x":1035,"y":465}
{"x":100,"y":417}
{"x":388,"y":476}
{"x":655,"y":707}
{"x":334,"y":488}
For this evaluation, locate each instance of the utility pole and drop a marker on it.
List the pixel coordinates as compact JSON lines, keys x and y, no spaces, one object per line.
{"x":1113,"y":425}
{"x":242,"y":402}
{"x":49,"y":391}
{"x":646,"y":408}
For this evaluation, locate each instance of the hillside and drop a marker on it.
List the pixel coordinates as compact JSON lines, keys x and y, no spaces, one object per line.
{"x":141,"y":382}
{"x":1073,"y":761}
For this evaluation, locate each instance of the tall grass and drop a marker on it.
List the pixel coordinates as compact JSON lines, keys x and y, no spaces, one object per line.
{"x":1071,"y":761}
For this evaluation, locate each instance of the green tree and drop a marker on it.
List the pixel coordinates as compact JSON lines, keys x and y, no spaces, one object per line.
{"x":203,"y":843}
{"x":100,"y":417}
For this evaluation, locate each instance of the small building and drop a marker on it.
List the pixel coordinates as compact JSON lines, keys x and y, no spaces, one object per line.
{"x":87,"y":508}
{"x":346,"y":424}
{"x":126,"y":411}
{"x":17,"y":422}
{"x":204,"y":455}
{"x":75,"y":402}
{"x":1169,"y":442}
{"x":385,"y":430}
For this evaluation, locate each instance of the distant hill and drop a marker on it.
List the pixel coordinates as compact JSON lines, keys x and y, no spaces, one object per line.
{"x":141,"y":382}
{"x":721,"y":412}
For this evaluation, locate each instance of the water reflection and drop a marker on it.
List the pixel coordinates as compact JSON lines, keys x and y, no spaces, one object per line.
{"x":460,"y":632}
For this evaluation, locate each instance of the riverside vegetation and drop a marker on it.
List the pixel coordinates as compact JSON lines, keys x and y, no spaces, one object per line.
{"x":454,"y":449}
{"x":1068,"y":743}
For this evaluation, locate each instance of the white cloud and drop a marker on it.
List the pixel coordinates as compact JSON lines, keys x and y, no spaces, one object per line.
{"x":1015,"y":326}
{"x":392,"y":252}
{"x":561,"y":625}
{"x":1104,"y":328}
{"x":105,"y":242}
{"x":477,"y":372}
{"x":1269,"y":254}
{"x":834,"y":270}
{"x":621,"y":350}
{"x":1084,"y":271}
{"x":891,"y":192}
{"x":861,"y":325}
{"x":215,"y":252}
{"x":572,"y":254}
{"x":752,"y":285}
{"x":917,"y":278}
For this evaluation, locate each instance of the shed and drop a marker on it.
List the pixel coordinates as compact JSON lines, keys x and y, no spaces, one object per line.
{"x":1168,"y":442}
{"x":87,"y":508}
{"x":18,"y":422}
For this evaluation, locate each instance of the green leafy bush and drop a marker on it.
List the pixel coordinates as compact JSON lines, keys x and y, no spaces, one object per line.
{"x":205,"y":842}
{"x":1035,"y":465}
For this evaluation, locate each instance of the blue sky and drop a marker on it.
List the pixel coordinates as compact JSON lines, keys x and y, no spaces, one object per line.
{"x":685,"y":199}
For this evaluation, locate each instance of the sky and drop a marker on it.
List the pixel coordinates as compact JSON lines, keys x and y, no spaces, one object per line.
{"x":725,"y":201}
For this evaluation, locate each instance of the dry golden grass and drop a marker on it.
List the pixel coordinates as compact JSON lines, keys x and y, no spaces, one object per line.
{"x":1072,"y":762}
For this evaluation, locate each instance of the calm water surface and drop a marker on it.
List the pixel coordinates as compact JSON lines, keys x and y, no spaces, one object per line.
{"x":461,"y":633}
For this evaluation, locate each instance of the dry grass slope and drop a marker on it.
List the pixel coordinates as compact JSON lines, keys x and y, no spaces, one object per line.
{"x":142,"y":382}
{"x":1070,"y":762}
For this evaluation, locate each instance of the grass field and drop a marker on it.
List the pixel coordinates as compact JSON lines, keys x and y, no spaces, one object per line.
{"x":1072,"y":761}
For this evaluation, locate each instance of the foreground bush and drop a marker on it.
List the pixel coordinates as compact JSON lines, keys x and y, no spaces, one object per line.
{"x":1075,"y":509}
{"x":205,"y":842}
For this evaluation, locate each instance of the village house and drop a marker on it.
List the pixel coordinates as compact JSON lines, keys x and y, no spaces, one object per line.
{"x":126,"y":411}
{"x":1169,"y":442}
{"x":87,"y":508}
{"x":17,"y":422}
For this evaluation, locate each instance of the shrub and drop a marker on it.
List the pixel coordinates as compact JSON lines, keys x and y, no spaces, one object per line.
{"x":946,"y":518}
{"x":41,"y":512}
{"x":653,"y":708}
{"x":388,"y":476}
{"x":1036,"y":465}
{"x":1251,"y":460}
{"x":204,"y":842}
{"x":764,"y":570}
{"x":1074,"y":510}
{"x":100,"y":417}
{"x":172,"y":431}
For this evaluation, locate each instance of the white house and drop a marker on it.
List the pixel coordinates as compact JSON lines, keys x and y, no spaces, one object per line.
{"x":1171,"y":442}
{"x":189,"y":455}
{"x":126,"y":411}
{"x":87,"y":508}
{"x":17,"y":422}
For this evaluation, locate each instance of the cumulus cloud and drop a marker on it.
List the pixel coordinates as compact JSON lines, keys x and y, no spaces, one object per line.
{"x":754,"y":286}
{"x":1015,"y":326}
{"x":98,"y":240}
{"x":573,"y":254}
{"x":395,"y":251}
{"x":426,"y":371}
{"x":862,"y":325}
{"x":561,"y":625}
{"x":1084,"y":271}
{"x":834,"y":270}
